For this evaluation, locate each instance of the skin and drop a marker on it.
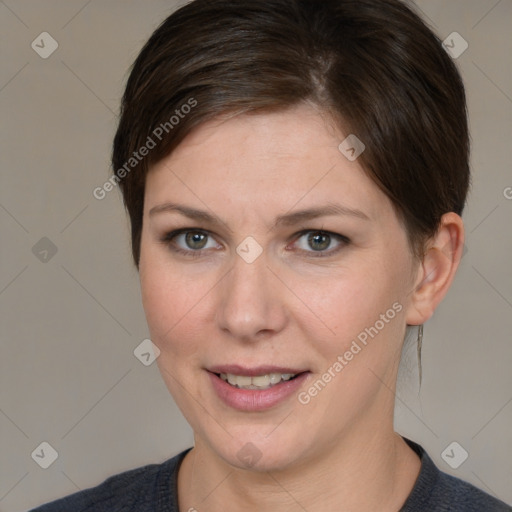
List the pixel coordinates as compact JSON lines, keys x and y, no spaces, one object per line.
{"x":288,"y":307}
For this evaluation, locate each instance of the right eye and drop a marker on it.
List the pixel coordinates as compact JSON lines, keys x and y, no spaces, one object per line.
{"x":193,"y":241}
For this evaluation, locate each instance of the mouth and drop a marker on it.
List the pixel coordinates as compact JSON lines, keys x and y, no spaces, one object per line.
{"x":257,"y":388}
{"x":261,"y":382}
{"x":258,"y":377}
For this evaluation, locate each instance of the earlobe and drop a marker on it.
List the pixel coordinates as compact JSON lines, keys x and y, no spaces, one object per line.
{"x":437,"y":269}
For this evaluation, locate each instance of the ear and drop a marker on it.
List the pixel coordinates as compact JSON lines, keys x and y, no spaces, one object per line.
{"x":437,"y":269}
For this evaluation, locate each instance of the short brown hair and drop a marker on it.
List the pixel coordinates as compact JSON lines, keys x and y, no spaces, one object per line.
{"x":372,"y":64}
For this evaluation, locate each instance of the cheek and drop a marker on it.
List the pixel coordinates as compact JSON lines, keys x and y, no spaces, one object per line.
{"x":364,"y":310}
{"x":362,"y":313}
{"x":172,"y":307}
{"x":353,"y":301}
{"x":173,"y":303}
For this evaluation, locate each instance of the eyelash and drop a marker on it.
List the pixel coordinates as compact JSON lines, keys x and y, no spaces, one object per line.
{"x":168,"y":240}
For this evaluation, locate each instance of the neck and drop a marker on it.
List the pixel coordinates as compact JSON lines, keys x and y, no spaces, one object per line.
{"x":370,"y":470}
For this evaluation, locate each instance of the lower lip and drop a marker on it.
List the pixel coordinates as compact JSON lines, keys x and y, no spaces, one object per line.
{"x":254,"y":399}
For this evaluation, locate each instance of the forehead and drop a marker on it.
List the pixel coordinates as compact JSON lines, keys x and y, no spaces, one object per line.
{"x":293,"y":134}
{"x":272,"y":160}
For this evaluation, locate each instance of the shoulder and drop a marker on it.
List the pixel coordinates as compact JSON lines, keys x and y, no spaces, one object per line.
{"x":134,"y":490}
{"x":462,"y":496}
{"x":436,"y":491}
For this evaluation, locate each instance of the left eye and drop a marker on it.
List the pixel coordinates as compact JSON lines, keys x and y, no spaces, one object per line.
{"x":319,"y":241}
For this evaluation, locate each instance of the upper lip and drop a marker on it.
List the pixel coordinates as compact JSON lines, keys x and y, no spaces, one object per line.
{"x":236,"y":369}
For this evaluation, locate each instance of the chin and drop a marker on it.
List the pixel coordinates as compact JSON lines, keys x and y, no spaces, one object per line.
{"x":258,"y":453}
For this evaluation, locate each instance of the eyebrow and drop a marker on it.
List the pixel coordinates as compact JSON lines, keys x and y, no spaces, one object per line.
{"x":287,"y":219}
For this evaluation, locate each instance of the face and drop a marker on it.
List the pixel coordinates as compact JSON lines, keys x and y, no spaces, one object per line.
{"x":265,"y":251}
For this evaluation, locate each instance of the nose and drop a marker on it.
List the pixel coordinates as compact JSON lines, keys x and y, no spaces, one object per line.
{"x":251,"y":301}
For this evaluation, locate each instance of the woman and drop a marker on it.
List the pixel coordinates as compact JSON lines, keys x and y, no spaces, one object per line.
{"x":294,"y":172}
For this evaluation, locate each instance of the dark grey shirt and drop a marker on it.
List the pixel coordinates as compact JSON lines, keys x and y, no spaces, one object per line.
{"x":153,"y":488}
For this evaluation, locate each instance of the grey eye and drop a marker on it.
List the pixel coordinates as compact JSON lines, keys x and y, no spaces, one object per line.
{"x":195,"y":239}
{"x":319,"y":241}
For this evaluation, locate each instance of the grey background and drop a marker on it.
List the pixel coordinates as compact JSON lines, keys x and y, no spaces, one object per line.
{"x":68,"y":375}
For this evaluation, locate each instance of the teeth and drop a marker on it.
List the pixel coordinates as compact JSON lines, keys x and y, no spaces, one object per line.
{"x":258,"y":382}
